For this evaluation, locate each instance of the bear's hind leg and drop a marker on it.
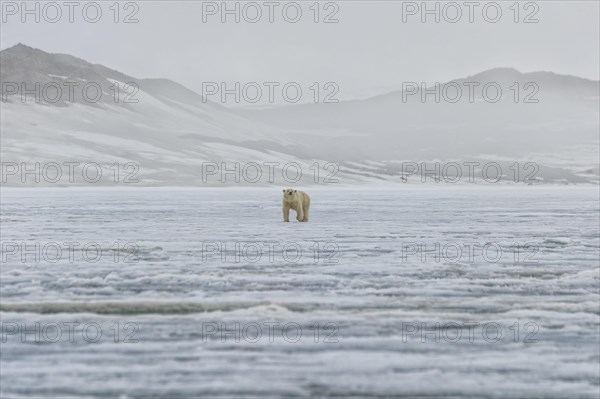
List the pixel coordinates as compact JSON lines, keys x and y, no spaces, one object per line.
{"x":306,"y":207}
{"x":305,"y":214}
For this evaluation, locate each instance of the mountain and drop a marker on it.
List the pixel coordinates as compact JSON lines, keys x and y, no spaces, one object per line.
{"x":171,"y":131}
{"x":412,"y":125}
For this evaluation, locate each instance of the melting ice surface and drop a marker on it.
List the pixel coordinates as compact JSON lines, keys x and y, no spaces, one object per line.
{"x":486,"y":292}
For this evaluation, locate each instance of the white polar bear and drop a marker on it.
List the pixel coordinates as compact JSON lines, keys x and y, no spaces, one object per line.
{"x":298,"y":201}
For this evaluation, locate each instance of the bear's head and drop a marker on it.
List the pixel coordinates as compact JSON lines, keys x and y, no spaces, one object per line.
{"x":289,"y":194}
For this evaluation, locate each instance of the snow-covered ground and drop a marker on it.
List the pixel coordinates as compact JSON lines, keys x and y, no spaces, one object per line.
{"x":417,"y":291}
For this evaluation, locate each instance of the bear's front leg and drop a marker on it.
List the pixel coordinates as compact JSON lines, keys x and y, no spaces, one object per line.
{"x":300,"y":216}
{"x":286,"y":213}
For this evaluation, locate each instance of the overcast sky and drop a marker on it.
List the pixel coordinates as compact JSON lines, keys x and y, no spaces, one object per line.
{"x":369,"y":51}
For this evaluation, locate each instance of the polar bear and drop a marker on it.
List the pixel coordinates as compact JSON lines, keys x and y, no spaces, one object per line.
{"x":298,"y":201}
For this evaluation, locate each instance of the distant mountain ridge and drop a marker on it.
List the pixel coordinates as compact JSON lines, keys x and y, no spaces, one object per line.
{"x":171,"y":130}
{"x":45,"y":68}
